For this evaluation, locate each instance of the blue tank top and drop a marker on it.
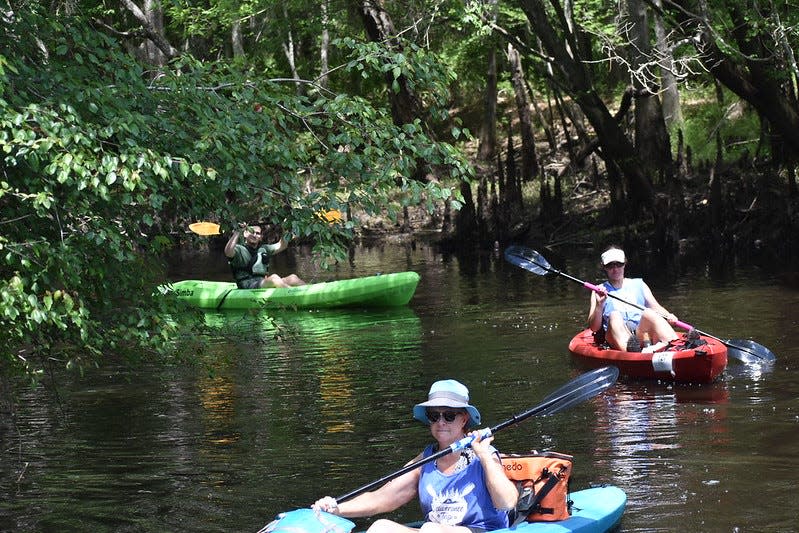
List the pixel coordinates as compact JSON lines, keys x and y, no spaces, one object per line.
{"x":459,"y":499}
{"x":632,"y":290}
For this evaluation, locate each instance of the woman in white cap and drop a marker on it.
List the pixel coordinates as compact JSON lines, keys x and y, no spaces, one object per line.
{"x":463,"y":492}
{"x":625,"y":326}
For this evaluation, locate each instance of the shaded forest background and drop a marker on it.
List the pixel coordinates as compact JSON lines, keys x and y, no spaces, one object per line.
{"x":672,"y":125}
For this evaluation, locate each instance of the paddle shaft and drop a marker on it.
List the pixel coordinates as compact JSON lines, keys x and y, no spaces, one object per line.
{"x":580,"y":388}
{"x":678,"y":323}
{"x":761,"y":353}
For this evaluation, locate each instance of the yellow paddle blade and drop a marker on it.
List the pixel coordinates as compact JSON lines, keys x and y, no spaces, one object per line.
{"x":332,"y":216}
{"x":204,"y":228}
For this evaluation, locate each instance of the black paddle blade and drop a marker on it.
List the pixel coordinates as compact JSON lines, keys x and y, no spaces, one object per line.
{"x":528,"y":259}
{"x":748,"y":351}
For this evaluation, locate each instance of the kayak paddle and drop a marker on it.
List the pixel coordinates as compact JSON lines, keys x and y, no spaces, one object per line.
{"x":205,"y":229}
{"x":579,"y":389}
{"x":744,"y":350}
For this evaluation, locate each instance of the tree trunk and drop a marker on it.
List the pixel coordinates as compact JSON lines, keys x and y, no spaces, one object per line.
{"x":484,"y":213}
{"x":324,"y":46}
{"x":236,"y":39}
{"x":488,"y":128}
{"x":506,"y":185}
{"x":290,"y":52}
{"x":467,"y":217}
{"x":567,"y":135}
{"x":672,"y":109}
{"x":494,"y":205}
{"x":571,"y":73}
{"x":529,"y":161}
{"x":618,"y":148}
{"x":542,"y":120}
{"x":405,"y":105}
{"x":487,"y":146}
{"x":651,"y":137}
{"x":156,"y":50}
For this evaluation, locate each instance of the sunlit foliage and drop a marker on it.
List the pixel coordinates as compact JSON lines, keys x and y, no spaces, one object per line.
{"x":106,"y":161}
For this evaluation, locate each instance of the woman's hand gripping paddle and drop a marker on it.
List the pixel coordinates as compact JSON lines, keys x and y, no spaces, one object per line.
{"x":579,"y":389}
{"x":744,"y":350}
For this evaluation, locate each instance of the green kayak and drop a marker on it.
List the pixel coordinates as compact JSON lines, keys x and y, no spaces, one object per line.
{"x":383,"y":290}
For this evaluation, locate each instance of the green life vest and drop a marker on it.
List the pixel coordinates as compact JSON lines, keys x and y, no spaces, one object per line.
{"x":253,"y":263}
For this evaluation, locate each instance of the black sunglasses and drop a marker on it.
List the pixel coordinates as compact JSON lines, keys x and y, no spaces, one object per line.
{"x":449,"y":416}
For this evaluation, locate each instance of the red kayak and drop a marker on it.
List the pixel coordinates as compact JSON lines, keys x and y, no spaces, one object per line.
{"x":676,"y":362}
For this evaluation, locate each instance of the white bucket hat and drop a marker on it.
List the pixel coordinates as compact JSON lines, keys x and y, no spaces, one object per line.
{"x":447,"y":393}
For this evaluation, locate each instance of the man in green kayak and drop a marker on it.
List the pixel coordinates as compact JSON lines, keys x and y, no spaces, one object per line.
{"x":465,"y":491}
{"x":250,"y":261}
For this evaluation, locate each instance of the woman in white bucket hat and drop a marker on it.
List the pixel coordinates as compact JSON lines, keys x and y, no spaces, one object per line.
{"x":463,"y":492}
{"x":626,"y":326}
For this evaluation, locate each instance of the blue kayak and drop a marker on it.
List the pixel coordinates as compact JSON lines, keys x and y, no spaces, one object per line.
{"x":595,"y":510}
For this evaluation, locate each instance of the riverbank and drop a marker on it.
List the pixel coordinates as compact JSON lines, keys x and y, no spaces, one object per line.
{"x":742,"y":224}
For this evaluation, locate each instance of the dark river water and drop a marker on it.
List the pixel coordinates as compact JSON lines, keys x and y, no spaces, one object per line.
{"x":319,"y":403}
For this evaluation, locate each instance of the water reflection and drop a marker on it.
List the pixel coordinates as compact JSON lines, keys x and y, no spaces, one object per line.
{"x":323,"y":326}
{"x":332,"y":341}
{"x":649,"y":435}
{"x":753,"y":372}
{"x":217,"y":396}
{"x":646,"y":418}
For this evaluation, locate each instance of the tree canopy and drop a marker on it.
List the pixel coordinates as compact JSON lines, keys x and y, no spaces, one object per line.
{"x":107,"y":159}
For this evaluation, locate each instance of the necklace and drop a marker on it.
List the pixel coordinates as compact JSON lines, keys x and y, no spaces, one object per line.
{"x":463,"y":461}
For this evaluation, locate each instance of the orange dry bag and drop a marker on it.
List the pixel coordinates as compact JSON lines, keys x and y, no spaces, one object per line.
{"x":543,"y":482}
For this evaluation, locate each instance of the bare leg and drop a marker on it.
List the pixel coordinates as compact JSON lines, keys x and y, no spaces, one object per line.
{"x":617,"y":334}
{"x":273,"y":280}
{"x":293,"y":280}
{"x":657,"y":327}
{"x":389,"y":526}
{"x":430,"y":527}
